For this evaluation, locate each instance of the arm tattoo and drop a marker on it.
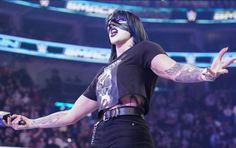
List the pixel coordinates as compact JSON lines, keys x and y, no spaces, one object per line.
{"x":185,"y":73}
{"x":52,"y":120}
{"x":173,"y":70}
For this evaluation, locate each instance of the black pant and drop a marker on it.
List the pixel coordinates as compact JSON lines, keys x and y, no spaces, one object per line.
{"x":122,"y":132}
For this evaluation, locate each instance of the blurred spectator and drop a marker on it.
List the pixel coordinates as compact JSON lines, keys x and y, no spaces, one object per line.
{"x":180,"y":116}
{"x":54,"y":85}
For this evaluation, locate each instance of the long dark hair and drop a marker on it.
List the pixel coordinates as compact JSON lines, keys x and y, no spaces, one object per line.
{"x":136,"y":28}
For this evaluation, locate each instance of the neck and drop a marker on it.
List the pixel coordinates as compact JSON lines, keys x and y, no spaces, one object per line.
{"x":120,"y":48}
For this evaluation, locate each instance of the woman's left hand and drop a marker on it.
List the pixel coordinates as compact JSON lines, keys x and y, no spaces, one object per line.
{"x":219,"y":66}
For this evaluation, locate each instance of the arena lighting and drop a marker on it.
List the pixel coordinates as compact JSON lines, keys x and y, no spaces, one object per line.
{"x":80,"y":6}
{"x":24,"y":3}
{"x":156,"y":20}
{"x":41,"y":49}
{"x":101,"y":9}
{"x":89,"y":53}
{"x":9,"y":43}
{"x":225,"y":15}
{"x":85,"y":53}
{"x":64,"y":105}
{"x":191,"y":15}
{"x":44,"y":3}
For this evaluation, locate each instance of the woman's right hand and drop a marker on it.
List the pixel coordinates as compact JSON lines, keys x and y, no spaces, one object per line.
{"x":19,"y":122}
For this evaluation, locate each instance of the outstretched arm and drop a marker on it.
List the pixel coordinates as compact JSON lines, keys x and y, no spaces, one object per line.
{"x":164,"y":66}
{"x":82,"y":107}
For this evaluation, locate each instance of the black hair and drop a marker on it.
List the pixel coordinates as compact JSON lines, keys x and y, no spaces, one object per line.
{"x":136,"y":28}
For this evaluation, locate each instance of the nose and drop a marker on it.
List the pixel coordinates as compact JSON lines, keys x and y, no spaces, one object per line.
{"x":110,"y":26}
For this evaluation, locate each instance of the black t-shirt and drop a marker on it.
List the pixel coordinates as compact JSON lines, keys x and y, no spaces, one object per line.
{"x":129,"y":74}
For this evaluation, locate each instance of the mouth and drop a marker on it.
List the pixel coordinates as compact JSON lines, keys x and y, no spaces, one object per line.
{"x":114,"y":32}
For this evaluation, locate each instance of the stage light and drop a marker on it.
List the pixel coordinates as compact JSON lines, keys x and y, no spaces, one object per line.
{"x":88,"y":8}
{"x":69,"y":140}
{"x":44,"y":3}
{"x":42,"y":48}
{"x":85,"y":53}
{"x":9,"y":43}
{"x":225,"y":15}
{"x":191,"y":15}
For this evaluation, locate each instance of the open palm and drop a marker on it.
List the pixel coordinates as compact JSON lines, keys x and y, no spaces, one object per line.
{"x":219,"y":66}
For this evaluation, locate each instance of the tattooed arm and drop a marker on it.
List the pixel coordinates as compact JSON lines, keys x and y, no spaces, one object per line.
{"x":185,"y":73}
{"x":82,"y":107}
{"x":164,"y":66}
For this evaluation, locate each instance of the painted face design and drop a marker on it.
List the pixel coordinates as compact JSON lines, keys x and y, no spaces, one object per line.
{"x":119,"y":22}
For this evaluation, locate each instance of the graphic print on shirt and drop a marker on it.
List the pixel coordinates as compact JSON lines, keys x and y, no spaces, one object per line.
{"x":106,"y":89}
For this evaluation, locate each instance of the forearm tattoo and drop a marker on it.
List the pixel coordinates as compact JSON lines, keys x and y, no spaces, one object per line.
{"x":52,"y":120}
{"x":185,"y":73}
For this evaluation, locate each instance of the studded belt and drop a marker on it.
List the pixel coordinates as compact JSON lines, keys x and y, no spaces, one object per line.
{"x":120,"y":111}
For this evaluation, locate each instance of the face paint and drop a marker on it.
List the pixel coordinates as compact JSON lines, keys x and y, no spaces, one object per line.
{"x":119,"y":22}
{"x":123,"y":25}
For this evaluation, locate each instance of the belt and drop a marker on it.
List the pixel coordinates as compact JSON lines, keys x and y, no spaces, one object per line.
{"x":121,"y":111}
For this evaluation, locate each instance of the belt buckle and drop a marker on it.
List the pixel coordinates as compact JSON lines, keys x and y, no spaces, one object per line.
{"x":111,"y":114}
{"x":117,"y":112}
{"x":105,"y":118}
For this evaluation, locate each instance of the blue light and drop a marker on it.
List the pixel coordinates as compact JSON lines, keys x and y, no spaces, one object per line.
{"x":156,"y":20}
{"x":128,"y":7}
{"x":215,"y":21}
{"x":53,"y":55}
{"x":24,"y":3}
{"x":195,"y":54}
{"x":88,"y":54}
{"x":63,"y":104}
{"x":135,"y":9}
